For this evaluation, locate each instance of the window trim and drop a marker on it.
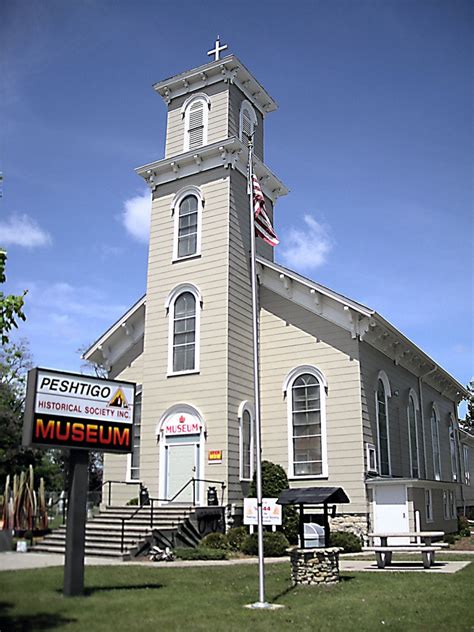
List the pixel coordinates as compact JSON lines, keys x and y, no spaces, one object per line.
{"x":128,"y":474}
{"x":370,"y":447}
{"x":175,"y":204}
{"x":185,"y":110}
{"x":287,"y":393}
{"x":465,"y":461}
{"x":169,"y":306}
{"x":245,"y":406}
{"x":413,"y":396}
{"x":247,"y":106}
{"x":453,"y":449}
{"x":429,"y":505}
{"x":382,"y":376}
{"x":437,"y":475}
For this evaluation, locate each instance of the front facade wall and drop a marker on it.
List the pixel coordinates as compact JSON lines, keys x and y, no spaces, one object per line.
{"x":292,"y":337}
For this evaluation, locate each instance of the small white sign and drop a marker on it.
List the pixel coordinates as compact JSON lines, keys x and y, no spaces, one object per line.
{"x":271,"y":511}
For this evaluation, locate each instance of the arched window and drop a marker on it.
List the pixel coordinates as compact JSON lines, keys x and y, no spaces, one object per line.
{"x":187,"y":208}
{"x":453,"y":446}
{"x":435,"y":443}
{"x":248,"y":121}
{"x":183,"y":307}
{"x":195,"y":113}
{"x":413,"y":435}
{"x":246,"y":440}
{"x":134,"y":457}
{"x":383,"y":429}
{"x":306,"y":394}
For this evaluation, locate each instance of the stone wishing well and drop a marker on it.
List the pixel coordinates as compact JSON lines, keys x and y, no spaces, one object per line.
{"x":315,"y":566}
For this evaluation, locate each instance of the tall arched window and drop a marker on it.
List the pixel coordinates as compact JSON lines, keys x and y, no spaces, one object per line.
{"x":248,"y":121}
{"x":453,"y":446}
{"x":305,"y":388}
{"x":383,"y":428}
{"x":195,"y":114}
{"x":246,"y":437}
{"x":134,"y":457}
{"x":187,"y":209}
{"x":413,"y":436}
{"x":435,"y":443}
{"x":183,"y":307}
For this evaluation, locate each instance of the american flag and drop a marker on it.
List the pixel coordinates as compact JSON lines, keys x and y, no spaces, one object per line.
{"x":263,"y":225}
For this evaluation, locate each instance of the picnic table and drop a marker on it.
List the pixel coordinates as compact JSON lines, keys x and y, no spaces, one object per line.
{"x":424,"y":544}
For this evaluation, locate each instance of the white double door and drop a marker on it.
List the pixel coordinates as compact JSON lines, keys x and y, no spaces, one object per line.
{"x":182,"y":462}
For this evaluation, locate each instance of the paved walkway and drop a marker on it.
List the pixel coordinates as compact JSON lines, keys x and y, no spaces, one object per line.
{"x":11,"y":560}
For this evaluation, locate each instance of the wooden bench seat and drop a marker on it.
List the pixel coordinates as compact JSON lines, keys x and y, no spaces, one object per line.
{"x":384,"y":553}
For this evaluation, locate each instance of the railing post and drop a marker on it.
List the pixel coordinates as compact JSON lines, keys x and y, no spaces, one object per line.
{"x":194,"y":492}
{"x":151,"y":514}
{"x":122,"y":536}
{"x":110,"y":493}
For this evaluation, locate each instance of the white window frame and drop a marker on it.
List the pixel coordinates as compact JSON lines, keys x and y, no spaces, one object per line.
{"x":453,"y":448}
{"x":416,"y":407}
{"x":178,"y":198}
{"x":246,"y":106}
{"x":370,"y":449}
{"x":128,"y":476}
{"x":452,"y":504}
{"x":246,"y":407}
{"x":429,"y":505}
{"x":169,"y":306}
{"x":185,"y":110}
{"x":382,"y":376}
{"x":287,"y":393}
{"x":446,"y":505}
{"x":465,"y":459}
{"x":435,"y":416}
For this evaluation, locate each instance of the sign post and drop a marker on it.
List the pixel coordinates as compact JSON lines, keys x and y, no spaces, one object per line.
{"x":76,"y":523}
{"x":78,"y":413}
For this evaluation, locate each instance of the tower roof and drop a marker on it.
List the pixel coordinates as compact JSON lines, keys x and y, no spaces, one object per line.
{"x":228,"y":69}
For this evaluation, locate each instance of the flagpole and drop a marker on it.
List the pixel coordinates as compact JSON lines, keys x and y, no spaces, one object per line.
{"x":261,"y":603}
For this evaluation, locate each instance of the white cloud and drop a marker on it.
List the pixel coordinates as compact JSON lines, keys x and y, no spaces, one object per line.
{"x":307,"y":247}
{"x":21,"y":230}
{"x":136,"y":216}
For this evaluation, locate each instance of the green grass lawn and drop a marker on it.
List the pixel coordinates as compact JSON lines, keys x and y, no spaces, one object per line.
{"x":163,"y":598}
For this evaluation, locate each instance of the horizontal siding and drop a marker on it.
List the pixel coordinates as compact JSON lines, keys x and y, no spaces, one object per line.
{"x":217,"y":119}
{"x":288,"y":339}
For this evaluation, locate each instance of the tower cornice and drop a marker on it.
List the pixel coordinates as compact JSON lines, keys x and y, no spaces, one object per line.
{"x":229,"y":70}
{"x":230,"y":153}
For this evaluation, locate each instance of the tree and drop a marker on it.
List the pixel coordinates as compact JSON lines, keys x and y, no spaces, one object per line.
{"x":15,"y":361}
{"x":11,"y":306}
{"x":469,"y":418}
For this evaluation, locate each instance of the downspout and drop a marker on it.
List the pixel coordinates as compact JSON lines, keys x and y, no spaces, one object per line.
{"x":422,"y":413}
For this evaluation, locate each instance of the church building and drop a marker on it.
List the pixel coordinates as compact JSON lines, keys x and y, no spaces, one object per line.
{"x":346,"y":399}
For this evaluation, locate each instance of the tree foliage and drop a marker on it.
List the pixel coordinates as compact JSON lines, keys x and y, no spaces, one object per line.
{"x":11,"y":306}
{"x":15,"y":361}
{"x":469,"y":418}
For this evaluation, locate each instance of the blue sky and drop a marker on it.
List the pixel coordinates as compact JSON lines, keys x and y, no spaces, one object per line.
{"x":373,"y":136}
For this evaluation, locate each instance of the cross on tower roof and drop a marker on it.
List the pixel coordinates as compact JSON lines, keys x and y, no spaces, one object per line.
{"x":216,"y":51}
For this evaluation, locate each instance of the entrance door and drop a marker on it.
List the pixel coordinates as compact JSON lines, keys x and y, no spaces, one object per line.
{"x":182,"y":465}
{"x":391,"y":511}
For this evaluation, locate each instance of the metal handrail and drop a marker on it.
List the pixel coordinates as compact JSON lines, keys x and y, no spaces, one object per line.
{"x":152,"y":501}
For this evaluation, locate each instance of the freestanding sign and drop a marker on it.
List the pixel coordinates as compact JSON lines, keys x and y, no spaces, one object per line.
{"x":78,"y":413}
{"x":271,"y":511}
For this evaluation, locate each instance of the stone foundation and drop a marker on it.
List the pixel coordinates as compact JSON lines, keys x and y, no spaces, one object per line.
{"x":353,"y":523}
{"x":315,"y":566}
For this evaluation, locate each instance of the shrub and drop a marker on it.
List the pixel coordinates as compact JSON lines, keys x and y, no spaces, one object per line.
{"x":449,"y":538}
{"x":346,"y":540}
{"x":274,"y":544}
{"x":201,"y":553}
{"x":133,"y":501}
{"x":464,"y":529}
{"x":215,"y":541}
{"x":236,"y":537}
